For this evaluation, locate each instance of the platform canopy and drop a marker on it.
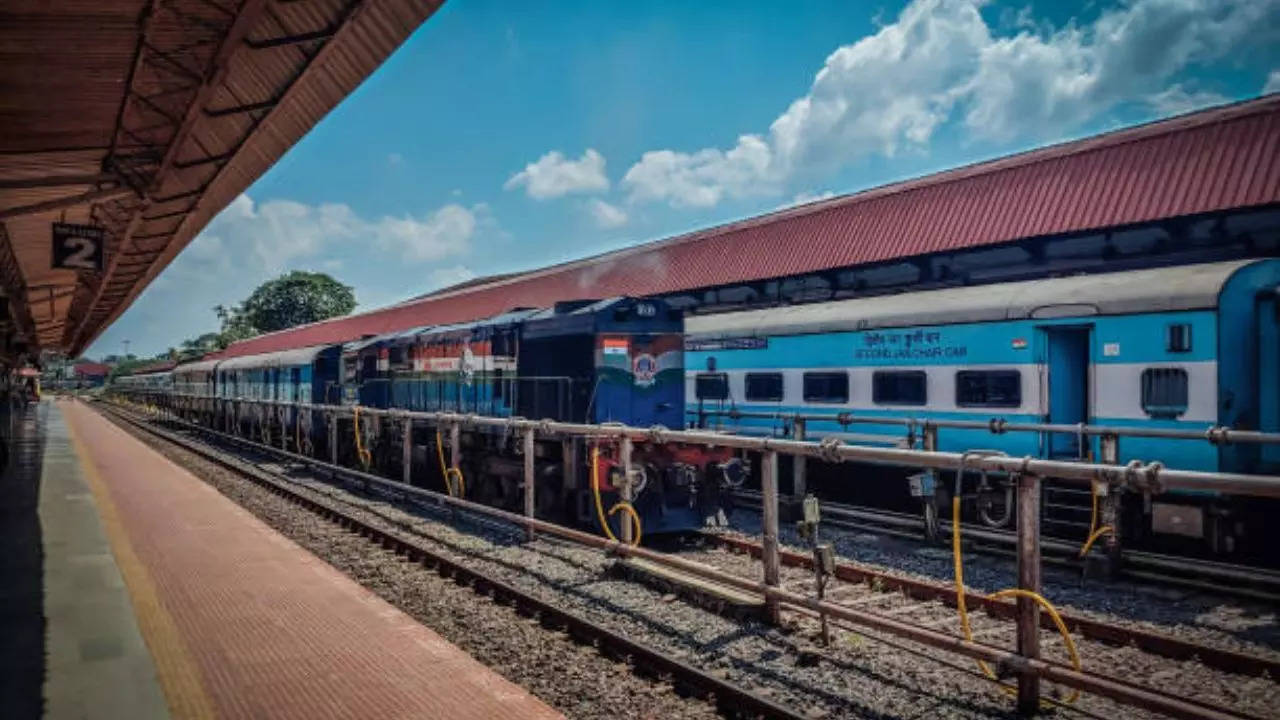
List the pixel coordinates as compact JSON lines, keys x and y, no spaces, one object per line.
{"x":127,"y":125}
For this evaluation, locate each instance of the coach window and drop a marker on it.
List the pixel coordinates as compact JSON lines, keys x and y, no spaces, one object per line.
{"x":1178,"y":338}
{"x":1164,"y":392}
{"x":898,"y":387}
{"x":826,"y":387}
{"x":764,"y":387}
{"x":989,"y":388}
{"x":712,"y":386}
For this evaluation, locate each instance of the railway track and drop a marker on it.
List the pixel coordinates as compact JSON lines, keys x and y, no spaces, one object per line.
{"x":862,"y":588}
{"x":866,"y":587}
{"x":1229,"y":579}
{"x":731,"y":699}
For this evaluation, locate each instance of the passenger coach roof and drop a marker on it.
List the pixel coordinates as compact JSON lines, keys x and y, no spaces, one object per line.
{"x":1186,"y":287}
{"x":284,"y":358}
{"x":199,"y":366}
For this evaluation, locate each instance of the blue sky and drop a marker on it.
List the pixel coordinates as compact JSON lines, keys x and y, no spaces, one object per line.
{"x":506,"y":136}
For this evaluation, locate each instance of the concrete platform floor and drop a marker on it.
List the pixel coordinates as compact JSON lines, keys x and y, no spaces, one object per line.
{"x":133,"y":589}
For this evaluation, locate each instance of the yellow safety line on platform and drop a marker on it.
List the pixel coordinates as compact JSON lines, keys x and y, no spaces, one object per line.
{"x":176,"y":669}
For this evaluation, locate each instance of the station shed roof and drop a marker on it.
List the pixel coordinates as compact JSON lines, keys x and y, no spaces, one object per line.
{"x":146,"y":118}
{"x":89,"y":369}
{"x":1222,"y":158}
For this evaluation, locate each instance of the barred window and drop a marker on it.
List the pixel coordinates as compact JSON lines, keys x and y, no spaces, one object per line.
{"x":826,"y":387}
{"x":764,"y":386}
{"x":1164,"y":392}
{"x":711,"y":386}
{"x":989,"y":388}
{"x":899,"y":387}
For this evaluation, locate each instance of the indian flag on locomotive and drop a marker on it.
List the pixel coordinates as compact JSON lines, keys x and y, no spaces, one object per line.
{"x":615,"y":353}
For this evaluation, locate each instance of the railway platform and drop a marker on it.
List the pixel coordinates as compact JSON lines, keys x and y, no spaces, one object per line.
{"x":130,"y":588}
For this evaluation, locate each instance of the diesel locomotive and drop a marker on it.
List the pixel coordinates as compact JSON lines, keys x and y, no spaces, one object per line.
{"x":617,"y":360}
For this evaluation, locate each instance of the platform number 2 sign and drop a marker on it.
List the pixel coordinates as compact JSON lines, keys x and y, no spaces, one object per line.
{"x":77,"y":247}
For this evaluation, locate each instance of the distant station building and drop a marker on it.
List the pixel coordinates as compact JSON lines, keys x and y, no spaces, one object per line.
{"x":1195,"y":188}
{"x":89,"y":374}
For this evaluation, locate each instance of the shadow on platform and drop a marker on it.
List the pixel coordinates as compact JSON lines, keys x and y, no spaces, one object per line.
{"x":22,"y":622}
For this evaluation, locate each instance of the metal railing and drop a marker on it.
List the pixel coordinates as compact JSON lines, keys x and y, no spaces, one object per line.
{"x":1026,"y":472}
{"x":1215,"y":434}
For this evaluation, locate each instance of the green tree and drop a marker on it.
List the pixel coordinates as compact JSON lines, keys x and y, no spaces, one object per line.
{"x":197,"y":347}
{"x":292,"y":299}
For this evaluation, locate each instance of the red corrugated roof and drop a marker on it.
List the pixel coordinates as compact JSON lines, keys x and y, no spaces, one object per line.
{"x":92,"y":369}
{"x":1217,"y":159}
{"x":159,"y":366}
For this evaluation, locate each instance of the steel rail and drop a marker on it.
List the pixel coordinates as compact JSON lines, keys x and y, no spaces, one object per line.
{"x":1153,"y":642}
{"x":1214,"y":434}
{"x":732,"y":699}
{"x":1151,"y":477}
{"x":1067,"y":553}
{"x":1116,"y":689}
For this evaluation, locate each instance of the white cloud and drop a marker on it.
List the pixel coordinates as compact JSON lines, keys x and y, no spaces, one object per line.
{"x":1038,"y":83}
{"x":554,"y":175}
{"x":606,"y":215}
{"x":939,"y":61}
{"x":806,"y":197}
{"x":446,"y":276}
{"x":703,"y":178}
{"x":277,"y":233}
{"x":1273,"y":83}
{"x":1176,"y":100}
{"x":444,"y":233}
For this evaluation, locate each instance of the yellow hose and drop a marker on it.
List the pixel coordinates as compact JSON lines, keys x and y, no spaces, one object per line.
{"x":1095,"y":532}
{"x":366,"y":457}
{"x":448,"y":472}
{"x":958,"y":561}
{"x":625,"y":507}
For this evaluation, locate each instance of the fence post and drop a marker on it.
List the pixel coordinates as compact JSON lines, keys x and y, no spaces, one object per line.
{"x":333,"y":438}
{"x":929,"y":436}
{"x":624,"y":449}
{"x":1110,"y":446}
{"x":1028,"y":579}
{"x":529,"y":480}
{"x":455,"y":445}
{"x":569,"y":459}
{"x":769,"y":531}
{"x":284,"y":424}
{"x":798,"y":479}
{"x":406,"y":451}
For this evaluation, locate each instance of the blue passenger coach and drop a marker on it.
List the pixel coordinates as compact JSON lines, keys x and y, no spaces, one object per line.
{"x":305,"y":375}
{"x":1179,"y":347}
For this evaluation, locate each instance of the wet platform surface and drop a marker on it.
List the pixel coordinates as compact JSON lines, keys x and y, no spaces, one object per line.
{"x":139,"y":591}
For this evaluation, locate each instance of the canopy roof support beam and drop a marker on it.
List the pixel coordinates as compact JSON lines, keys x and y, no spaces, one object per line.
{"x":68,"y":201}
{"x":57,"y":181}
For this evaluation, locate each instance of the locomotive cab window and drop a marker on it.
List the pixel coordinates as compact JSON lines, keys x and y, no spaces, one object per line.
{"x":989,"y":388}
{"x":712,"y":386}
{"x":1164,"y":392}
{"x":1178,"y":337}
{"x":826,"y":387}
{"x":765,"y":387}
{"x":898,"y":387}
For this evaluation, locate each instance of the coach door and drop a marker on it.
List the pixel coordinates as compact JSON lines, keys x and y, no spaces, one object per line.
{"x":1268,"y":315}
{"x":1066,"y":365}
